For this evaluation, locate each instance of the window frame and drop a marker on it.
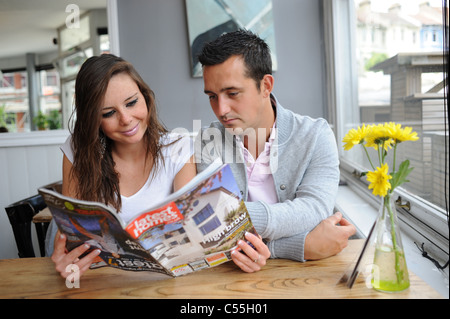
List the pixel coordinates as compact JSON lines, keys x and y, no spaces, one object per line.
{"x":423,"y":222}
{"x":202,"y":215}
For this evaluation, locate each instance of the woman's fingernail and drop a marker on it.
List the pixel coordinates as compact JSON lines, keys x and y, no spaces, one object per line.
{"x":248,"y":234}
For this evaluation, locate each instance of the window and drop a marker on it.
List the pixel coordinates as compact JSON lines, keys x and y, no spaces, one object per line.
{"x":398,"y":78}
{"x":14,"y":100}
{"x":45,"y":99}
{"x":210,"y":226}
{"x":394,"y":90}
{"x":71,"y":37}
{"x":202,"y":215}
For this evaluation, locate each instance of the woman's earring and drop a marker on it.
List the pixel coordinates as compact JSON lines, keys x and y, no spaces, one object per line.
{"x":102,"y":146}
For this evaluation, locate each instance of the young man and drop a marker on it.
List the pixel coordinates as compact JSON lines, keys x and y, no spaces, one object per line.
{"x":286,"y":165}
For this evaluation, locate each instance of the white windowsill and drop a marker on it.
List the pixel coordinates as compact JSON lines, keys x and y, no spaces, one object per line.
{"x":35,"y":138}
{"x":362,"y":215}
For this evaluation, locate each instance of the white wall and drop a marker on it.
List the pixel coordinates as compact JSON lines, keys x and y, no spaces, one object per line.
{"x":27,"y":162}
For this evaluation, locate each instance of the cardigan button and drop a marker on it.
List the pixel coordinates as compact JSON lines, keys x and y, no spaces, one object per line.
{"x":282,"y":187}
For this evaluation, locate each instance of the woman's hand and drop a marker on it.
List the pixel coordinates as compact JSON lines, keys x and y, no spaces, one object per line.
{"x":251,"y":259}
{"x":62,"y":258}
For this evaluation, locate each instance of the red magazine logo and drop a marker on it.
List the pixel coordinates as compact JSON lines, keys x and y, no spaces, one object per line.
{"x":165,"y":215}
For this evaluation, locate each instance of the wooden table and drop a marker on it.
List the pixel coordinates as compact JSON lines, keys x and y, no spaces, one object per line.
{"x":36,"y":278}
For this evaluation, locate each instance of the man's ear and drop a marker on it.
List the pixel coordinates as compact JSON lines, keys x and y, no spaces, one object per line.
{"x":267,"y":85}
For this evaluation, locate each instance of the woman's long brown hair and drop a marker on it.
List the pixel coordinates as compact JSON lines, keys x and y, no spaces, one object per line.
{"x":93,"y":168}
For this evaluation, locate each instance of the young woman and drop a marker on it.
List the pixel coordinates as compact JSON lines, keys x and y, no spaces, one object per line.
{"x":118,"y":153}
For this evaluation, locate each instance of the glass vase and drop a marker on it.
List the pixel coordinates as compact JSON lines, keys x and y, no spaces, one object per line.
{"x":389,"y":270}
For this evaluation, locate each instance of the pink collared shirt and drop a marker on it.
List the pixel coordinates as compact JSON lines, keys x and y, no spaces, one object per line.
{"x":261,"y":186}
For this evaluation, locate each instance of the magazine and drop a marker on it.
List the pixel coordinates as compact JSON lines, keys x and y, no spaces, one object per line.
{"x":194,"y":228}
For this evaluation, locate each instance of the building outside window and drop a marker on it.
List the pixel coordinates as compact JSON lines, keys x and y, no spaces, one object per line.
{"x":385,"y":63}
{"x":401,"y":81}
{"x":14,"y":100}
{"x":52,"y":98}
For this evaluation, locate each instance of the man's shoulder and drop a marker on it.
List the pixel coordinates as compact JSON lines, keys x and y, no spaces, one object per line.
{"x":293,"y":121}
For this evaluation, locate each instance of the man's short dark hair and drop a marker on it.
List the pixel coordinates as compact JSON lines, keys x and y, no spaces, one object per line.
{"x":254,"y":50}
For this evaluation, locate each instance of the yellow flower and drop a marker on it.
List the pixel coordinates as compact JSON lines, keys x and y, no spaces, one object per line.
{"x":355,"y":137}
{"x":379,"y":180}
{"x":386,"y":136}
{"x":378,"y":136}
{"x":399,"y":134}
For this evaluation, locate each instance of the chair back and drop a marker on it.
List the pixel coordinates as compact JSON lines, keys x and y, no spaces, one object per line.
{"x":20,"y":216}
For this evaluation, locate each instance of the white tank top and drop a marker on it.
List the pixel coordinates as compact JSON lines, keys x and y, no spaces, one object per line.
{"x":156,"y":189}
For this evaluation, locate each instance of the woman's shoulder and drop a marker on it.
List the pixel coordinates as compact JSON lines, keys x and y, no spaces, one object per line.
{"x":67,"y":148}
{"x":177,"y":146}
{"x":177,"y":140}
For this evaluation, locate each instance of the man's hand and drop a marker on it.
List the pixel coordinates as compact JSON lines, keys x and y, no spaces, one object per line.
{"x":328,"y":238}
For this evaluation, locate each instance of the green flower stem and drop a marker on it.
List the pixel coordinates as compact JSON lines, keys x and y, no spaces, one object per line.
{"x":387,"y":204}
{"x":368,"y":157}
{"x":395,"y":156}
{"x":383,"y":152}
{"x":380,"y":159}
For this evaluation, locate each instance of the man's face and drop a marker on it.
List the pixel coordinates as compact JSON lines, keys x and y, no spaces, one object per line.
{"x":235,"y":98}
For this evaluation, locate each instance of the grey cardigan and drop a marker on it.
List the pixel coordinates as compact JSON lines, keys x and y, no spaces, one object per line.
{"x":305,"y":166}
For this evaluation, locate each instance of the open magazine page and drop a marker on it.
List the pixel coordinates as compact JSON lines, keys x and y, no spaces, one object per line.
{"x":198,"y":229}
{"x":97,"y":225}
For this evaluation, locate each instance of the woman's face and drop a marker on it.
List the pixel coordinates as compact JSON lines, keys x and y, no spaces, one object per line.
{"x":124,"y":111}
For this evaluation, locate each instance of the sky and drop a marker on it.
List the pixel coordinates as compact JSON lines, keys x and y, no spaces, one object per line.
{"x":408,"y":6}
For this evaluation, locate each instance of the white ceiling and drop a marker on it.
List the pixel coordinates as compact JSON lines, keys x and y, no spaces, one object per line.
{"x":30,"y":25}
